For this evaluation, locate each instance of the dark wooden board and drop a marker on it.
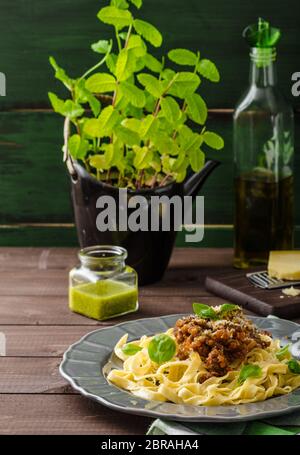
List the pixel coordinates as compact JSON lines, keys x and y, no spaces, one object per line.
{"x":235,"y":287}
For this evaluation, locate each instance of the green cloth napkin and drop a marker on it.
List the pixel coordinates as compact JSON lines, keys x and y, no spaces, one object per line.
{"x":282,"y":425}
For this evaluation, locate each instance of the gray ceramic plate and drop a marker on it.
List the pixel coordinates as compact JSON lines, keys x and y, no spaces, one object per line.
{"x":85,"y":362}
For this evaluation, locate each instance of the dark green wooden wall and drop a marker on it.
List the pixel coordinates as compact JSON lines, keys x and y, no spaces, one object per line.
{"x":35,"y":206}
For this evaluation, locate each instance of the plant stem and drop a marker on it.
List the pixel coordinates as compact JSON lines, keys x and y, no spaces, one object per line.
{"x":118,"y":39}
{"x":140,"y":179}
{"x":164,"y":180}
{"x":114,"y":98}
{"x":98,"y":64}
{"x":128,"y":36}
{"x":156,"y":110}
{"x":154,"y":180}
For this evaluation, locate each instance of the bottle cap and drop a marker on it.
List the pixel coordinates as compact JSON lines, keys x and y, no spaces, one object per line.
{"x":261,"y":35}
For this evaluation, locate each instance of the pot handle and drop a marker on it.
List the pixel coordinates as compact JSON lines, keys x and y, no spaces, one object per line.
{"x":66,"y":155}
{"x":195,"y":181}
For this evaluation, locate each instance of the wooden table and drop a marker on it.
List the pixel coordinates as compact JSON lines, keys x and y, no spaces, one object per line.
{"x":38,"y":327}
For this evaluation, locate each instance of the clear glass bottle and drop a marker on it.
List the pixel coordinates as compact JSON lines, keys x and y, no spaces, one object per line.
{"x":263,"y":157}
{"x":103,"y":286}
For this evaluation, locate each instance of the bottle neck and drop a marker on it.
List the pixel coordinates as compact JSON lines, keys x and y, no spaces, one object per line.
{"x":263,"y":67}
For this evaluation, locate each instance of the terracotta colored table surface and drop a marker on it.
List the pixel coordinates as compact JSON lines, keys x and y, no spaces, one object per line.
{"x":38,"y":327}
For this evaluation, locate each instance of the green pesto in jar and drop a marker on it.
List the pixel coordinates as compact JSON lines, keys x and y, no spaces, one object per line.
{"x":104,"y":299}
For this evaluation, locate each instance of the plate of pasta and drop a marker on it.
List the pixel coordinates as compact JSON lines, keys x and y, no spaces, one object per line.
{"x":215,"y":364}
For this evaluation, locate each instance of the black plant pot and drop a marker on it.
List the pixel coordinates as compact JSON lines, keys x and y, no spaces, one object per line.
{"x":148,"y":252}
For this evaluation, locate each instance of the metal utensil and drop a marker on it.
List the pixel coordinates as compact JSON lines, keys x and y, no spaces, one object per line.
{"x":264,"y":281}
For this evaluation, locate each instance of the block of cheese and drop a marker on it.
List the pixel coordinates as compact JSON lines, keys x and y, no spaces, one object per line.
{"x":284,"y":265}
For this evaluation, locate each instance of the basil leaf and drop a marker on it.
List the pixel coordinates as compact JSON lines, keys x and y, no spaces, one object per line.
{"x":161,"y":348}
{"x":283,"y":352}
{"x":249,"y":371}
{"x":204,"y":311}
{"x":294,"y":366}
{"x":227,"y":308}
{"x":131,"y":349}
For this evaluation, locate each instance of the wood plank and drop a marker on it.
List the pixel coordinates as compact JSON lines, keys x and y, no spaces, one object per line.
{"x":64,"y":258}
{"x":37,"y":258}
{"x":26,"y":375}
{"x":32,"y":310}
{"x":182,"y":278}
{"x":64,"y":414}
{"x":54,"y":28}
{"x":55,"y":282}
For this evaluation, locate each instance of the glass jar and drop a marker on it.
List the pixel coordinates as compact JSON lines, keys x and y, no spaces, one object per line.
{"x":103,"y":286}
{"x":263,"y":160}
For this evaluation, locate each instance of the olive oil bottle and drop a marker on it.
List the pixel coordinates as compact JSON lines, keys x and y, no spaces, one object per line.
{"x":263,"y":157}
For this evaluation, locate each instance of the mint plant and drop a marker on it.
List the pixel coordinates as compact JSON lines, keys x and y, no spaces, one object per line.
{"x":137,"y":123}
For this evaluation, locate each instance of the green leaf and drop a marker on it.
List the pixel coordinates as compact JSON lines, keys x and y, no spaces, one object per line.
{"x":127,"y":136}
{"x":137,"y":45}
{"x":122,"y":4}
{"x":294,"y":366}
{"x":101,"y":83}
{"x":170,"y":109}
{"x":133,"y":124}
{"x":137,"y":3}
{"x":56,"y":102}
{"x":197,"y":159}
{"x":142,"y":158}
{"x":161,"y":348}
{"x":115,"y":16}
{"x":151,"y":84}
{"x":164,"y":144}
{"x":72,"y":109}
{"x":77,"y":146}
{"x":283,"y":352}
{"x":148,"y":31}
{"x":99,"y":162}
{"x":168,"y":74}
{"x":227,"y":308}
{"x":60,"y":74}
{"x":103,"y":125}
{"x":193,"y":143}
{"x":125,"y":65}
{"x":213,"y":140}
{"x":101,"y":47}
{"x":185,"y":135}
{"x":111,"y":62}
{"x":249,"y":371}
{"x":148,"y":126}
{"x":108,"y":118}
{"x":208,"y":70}
{"x":92,"y":128}
{"x":197,"y":108}
{"x":131,"y":349}
{"x":185,"y":84}
{"x":204,"y":311}
{"x":66,"y":108}
{"x":183,"y":57}
{"x":152,"y":63}
{"x":85,"y":96}
{"x":133,"y":94}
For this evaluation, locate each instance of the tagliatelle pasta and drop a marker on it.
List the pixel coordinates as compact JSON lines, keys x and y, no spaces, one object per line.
{"x":181,"y":380}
